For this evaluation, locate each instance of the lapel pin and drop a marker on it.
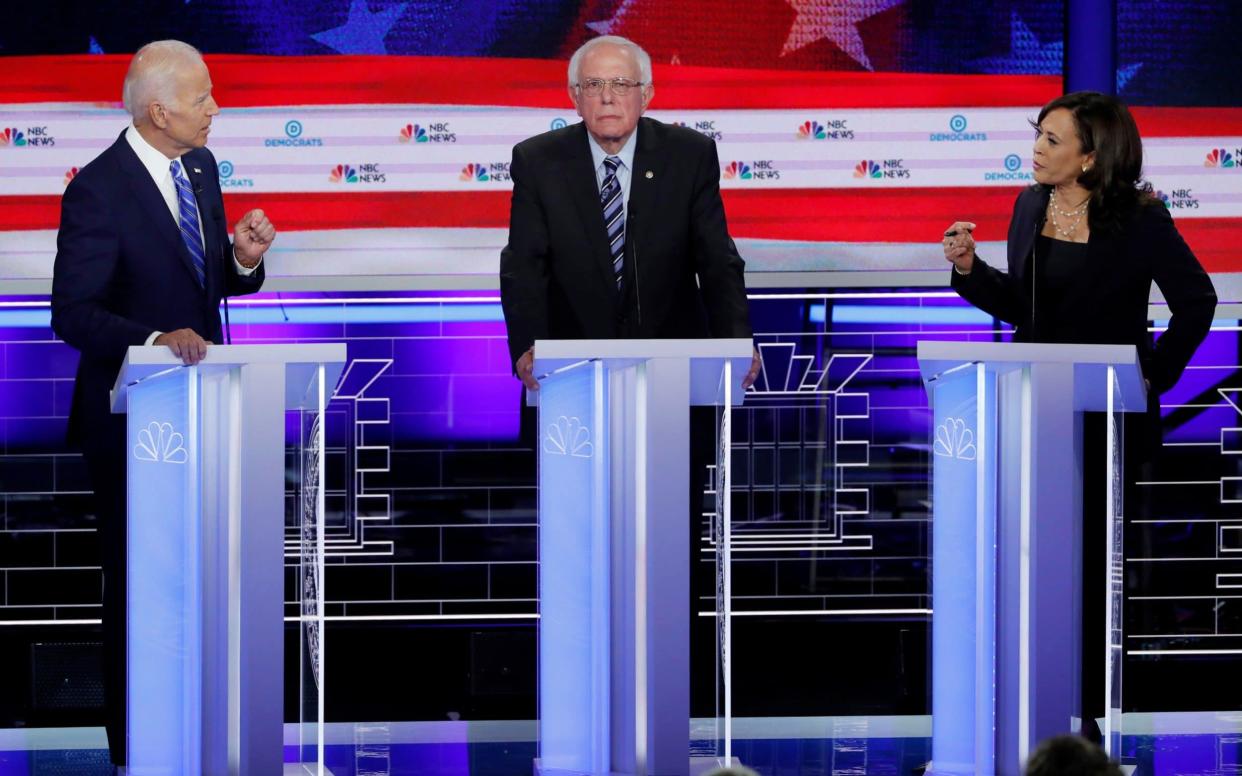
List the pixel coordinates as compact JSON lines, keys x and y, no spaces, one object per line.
{"x":200,"y":172}
{"x":650,"y":174}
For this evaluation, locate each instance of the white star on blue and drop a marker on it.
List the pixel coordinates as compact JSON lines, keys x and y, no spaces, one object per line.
{"x":363,"y":32}
{"x":1026,"y":54}
{"x":1124,"y":74}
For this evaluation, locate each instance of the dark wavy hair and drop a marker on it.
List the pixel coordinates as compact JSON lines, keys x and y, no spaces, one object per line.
{"x":1115,"y":180}
{"x":1068,"y":755}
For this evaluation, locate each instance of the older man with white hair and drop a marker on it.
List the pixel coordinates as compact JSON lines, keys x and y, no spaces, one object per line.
{"x":617,"y":228}
{"x":143,"y":257}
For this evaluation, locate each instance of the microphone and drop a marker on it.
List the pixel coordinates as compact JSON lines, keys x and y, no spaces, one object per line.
{"x":224,"y":266}
{"x":1040,"y":220}
{"x":633,"y":245}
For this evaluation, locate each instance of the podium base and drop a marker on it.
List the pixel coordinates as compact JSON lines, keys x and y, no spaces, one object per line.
{"x":698,"y":766}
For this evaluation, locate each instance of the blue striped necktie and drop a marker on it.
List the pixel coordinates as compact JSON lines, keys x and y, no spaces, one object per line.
{"x":614,"y":217}
{"x":187,"y":223}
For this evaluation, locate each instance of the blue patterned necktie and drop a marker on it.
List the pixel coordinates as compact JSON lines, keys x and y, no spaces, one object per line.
{"x":614,"y":217}
{"x":187,"y":223}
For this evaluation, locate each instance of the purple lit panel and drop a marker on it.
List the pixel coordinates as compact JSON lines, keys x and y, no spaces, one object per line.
{"x":1219,"y":349}
{"x":1204,"y":425}
{"x":450,"y":393}
{"x":40,"y":360}
{"x":474,"y":329}
{"x":258,"y":333}
{"x":370,"y":348}
{"x":1190,"y":754}
{"x":25,"y":398}
{"x":446,"y":356}
{"x":474,"y":426}
{"x":393,"y":330}
{"x":31,"y":435}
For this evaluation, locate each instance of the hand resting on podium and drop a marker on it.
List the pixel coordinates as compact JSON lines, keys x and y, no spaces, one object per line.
{"x":185,"y":345}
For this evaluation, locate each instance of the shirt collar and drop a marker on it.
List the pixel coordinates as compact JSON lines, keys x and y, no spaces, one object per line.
{"x":151,"y":157}
{"x":626,"y":154}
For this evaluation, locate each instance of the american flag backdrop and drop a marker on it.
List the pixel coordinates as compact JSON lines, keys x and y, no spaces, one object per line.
{"x":378,"y":135}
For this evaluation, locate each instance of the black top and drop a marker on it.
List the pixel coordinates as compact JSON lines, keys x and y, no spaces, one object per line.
{"x":1059,"y":265}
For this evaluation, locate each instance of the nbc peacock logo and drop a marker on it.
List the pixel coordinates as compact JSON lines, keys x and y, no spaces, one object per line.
{"x":474,"y":172}
{"x":343,"y":173}
{"x":867,"y":169}
{"x":413,"y":133}
{"x":737,"y":171}
{"x":811,"y":130}
{"x":70,"y":174}
{"x":12,"y":136}
{"x":1219,"y":157}
{"x":1179,"y":199}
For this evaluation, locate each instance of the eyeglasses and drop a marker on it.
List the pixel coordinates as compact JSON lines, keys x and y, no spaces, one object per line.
{"x":592,"y":87}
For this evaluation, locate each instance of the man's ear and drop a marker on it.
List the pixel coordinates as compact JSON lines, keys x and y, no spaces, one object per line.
{"x":157,"y":114}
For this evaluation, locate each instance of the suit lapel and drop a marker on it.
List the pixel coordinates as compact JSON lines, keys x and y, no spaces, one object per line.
{"x":645,"y":179}
{"x":149,"y":198}
{"x":580,"y":173}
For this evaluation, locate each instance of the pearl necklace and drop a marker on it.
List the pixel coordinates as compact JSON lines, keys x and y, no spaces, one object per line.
{"x":1076,"y":214}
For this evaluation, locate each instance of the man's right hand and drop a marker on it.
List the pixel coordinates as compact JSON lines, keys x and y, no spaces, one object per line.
{"x":185,"y":345}
{"x":525,"y":368}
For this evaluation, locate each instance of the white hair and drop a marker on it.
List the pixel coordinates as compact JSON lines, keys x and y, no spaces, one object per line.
{"x":152,"y":75}
{"x":644,"y":60}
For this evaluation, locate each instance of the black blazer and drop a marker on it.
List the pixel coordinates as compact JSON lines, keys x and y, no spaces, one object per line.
{"x":122,"y":270}
{"x":1108,"y":303}
{"x":556,"y":276}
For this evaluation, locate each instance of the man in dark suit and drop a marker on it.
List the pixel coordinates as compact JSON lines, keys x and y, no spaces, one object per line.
{"x":143,"y":257}
{"x":617,"y":228}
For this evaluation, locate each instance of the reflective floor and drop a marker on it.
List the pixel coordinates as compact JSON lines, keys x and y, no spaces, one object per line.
{"x":862,"y":746}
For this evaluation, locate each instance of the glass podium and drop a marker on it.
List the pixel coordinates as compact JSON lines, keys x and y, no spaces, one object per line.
{"x":614,"y":550}
{"x":1007,"y":544}
{"x":206,"y":535}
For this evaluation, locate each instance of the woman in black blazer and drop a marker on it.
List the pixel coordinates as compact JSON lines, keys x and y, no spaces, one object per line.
{"x":1085,"y":243}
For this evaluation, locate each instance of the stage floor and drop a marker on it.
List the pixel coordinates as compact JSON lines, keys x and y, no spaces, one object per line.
{"x":1184,"y":743}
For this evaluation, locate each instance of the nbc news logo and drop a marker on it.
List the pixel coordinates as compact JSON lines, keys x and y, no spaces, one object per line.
{"x":837,"y":129}
{"x":758,"y":170}
{"x":437,"y":132}
{"x":32,"y":137}
{"x":1179,"y":199}
{"x":1221,"y":157}
{"x":891,"y":169}
{"x":363,"y":173}
{"x":478,"y":172}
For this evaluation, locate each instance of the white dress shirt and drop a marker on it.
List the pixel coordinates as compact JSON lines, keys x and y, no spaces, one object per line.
{"x":624,"y":170}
